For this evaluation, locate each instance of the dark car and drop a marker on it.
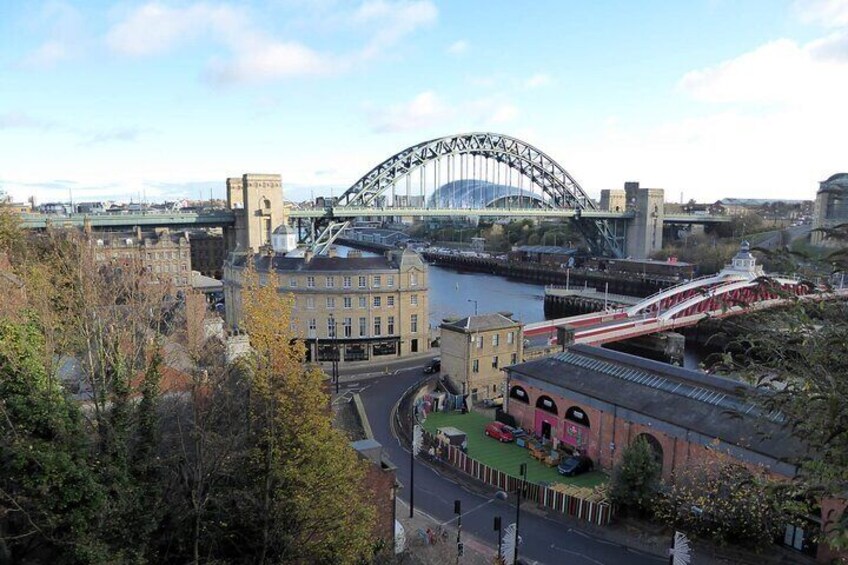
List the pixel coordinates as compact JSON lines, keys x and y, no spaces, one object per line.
{"x":575,"y":465}
{"x":434,"y":367}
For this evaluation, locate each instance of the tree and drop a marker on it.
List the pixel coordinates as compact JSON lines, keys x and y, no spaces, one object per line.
{"x":308,"y":480}
{"x":636,"y":478}
{"x":50,"y":501}
{"x":725,"y":502}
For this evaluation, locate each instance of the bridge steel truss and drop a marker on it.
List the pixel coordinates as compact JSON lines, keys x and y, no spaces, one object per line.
{"x":605,"y":236}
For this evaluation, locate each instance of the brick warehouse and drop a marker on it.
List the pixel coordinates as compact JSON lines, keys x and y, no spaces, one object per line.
{"x":596,"y":402}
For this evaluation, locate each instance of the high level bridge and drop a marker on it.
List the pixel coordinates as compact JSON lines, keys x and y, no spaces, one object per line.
{"x":469,"y":175}
{"x":741,"y":287}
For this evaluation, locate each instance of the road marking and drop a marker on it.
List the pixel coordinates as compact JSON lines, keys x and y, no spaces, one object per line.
{"x":577,"y":553}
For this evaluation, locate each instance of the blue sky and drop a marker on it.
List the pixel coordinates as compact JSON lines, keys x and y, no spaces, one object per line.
{"x":708,"y":98}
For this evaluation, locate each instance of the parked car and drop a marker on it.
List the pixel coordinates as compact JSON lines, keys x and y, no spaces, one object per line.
{"x":434,"y":366}
{"x":499,"y":431}
{"x":575,"y":465}
{"x":493,"y":402}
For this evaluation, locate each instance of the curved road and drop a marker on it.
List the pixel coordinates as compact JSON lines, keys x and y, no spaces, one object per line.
{"x":544,"y":541}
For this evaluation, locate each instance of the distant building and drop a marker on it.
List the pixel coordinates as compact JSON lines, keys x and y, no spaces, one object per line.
{"x":161,"y":253}
{"x":380,"y":481}
{"x":208,"y":251}
{"x":543,"y":254}
{"x":831,"y":208}
{"x":476,"y":349}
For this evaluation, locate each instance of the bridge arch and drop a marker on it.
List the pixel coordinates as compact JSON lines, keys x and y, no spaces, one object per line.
{"x":520,"y":156}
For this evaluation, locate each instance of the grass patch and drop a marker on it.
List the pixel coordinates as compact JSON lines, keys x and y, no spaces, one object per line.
{"x":505,"y":456}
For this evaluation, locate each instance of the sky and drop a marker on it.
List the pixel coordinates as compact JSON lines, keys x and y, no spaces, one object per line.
{"x":705,"y":98}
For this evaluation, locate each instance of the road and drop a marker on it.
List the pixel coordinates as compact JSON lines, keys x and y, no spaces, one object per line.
{"x":544,"y":541}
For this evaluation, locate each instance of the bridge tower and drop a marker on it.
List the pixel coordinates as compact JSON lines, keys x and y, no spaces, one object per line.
{"x":645,"y":234}
{"x":261,"y":210}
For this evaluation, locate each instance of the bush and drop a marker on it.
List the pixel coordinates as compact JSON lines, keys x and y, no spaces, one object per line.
{"x":636,"y":478}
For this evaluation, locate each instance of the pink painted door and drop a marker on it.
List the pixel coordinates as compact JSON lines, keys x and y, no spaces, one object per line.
{"x":542,"y":418}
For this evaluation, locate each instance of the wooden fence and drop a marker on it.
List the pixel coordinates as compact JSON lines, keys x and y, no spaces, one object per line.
{"x":599,"y":513}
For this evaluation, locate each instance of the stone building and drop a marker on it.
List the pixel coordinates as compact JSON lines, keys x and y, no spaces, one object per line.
{"x":208,"y":252}
{"x":475,"y":350}
{"x":164,"y":254}
{"x":367,"y":307}
{"x":831,"y":208}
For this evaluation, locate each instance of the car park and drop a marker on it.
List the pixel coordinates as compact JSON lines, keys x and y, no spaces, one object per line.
{"x":575,"y":465}
{"x":499,"y":431}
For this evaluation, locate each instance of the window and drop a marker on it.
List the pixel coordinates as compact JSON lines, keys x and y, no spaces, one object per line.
{"x":331,"y":327}
{"x":310,"y":303}
{"x":346,"y":282}
{"x":377,"y":281}
{"x":495,"y":362}
{"x":331,"y":302}
{"x":331,"y":282}
{"x":496,"y":339}
{"x":361,"y":282}
{"x":510,"y":337}
{"x":413,"y":323}
{"x":475,"y":366}
{"x":390,"y":325}
{"x":310,"y":282}
{"x":479,"y":342}
{"x":347,"y":327}
{"x":347,"y":302}
{"x":363,"y":302}
{"x":513,"y":359}
{"x":313,"y":327}
{"x":390,"y":281}
{"x":413,"y":300}
{"x":376,"y":302}
{"x":413,"y":279}
{"x":390,"y":302}
{"x":293,"y":282}
{"x":378,"y":329}
{"x":363,"y":327}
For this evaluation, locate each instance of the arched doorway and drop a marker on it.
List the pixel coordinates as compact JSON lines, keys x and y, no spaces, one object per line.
{"x":575,"y":432}
{"x":546,"y":417}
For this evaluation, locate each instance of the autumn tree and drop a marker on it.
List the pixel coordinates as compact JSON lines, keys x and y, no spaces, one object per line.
{"x":307,"y":480}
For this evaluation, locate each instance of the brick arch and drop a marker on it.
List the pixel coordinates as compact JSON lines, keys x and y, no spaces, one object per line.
{"x":520,"y":394}
{"x":655,"y":445}
{"x":546,"y":403}
{"x":578,"y":416}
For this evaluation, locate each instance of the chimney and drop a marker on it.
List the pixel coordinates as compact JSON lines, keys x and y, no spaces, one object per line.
{"x":307,"y":255}
{"x":332,"y":252}
{"x":138,"y":233}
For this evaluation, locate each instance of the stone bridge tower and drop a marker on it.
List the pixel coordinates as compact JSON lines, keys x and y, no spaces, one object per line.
{"x":257,"y":201}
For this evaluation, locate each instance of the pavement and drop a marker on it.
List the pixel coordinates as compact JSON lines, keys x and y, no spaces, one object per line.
{"x":546,"y":538}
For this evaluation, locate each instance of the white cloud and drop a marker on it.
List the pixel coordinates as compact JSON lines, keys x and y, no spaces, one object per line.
{"x":538,"y":80}
{"x":65,"y":32}
{"x":458,"y":47}
{"x":829,"y":13}
{"x":781,"y":71}
{"x":422,"y":111}
{"x":22,"y":120}
{"x":251,"y":53}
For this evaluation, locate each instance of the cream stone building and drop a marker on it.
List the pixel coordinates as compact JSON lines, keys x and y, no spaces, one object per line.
{"x":353,"y":307}
{"x":475,"y":350}
{"x":163,"y":254}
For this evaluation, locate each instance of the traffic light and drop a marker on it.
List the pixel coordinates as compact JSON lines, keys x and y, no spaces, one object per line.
{"x":460,"y":548}
{"x":457,"y":507}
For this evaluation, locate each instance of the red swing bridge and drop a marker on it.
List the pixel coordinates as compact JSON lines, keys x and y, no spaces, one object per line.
{"x":740,"y":287}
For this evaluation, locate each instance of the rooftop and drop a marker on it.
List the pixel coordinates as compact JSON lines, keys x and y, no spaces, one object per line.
{"x":322,"y":263}
{"x":546,"y":249}
{"x":715,"y":407}
{"x":482,"y":322}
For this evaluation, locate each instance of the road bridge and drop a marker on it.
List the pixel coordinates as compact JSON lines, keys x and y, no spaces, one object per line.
{"x":740,"y":288}
{"x":473,"y":175}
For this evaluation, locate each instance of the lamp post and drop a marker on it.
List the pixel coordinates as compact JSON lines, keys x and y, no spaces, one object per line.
{"x":475,"y":304}
{"x":335,"y":359}
{"x":523,"y":472}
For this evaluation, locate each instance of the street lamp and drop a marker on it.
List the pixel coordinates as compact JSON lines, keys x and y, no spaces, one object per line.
{"x":523,"y":472}
{"x":335,"y":358}
{"x":475,"y":304}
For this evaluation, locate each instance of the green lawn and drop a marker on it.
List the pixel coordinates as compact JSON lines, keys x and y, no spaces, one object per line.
{"x":504,"y":456}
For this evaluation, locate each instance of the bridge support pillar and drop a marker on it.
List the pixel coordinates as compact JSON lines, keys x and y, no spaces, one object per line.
{"x":645,"y":233}
{"x":663,"y":346}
